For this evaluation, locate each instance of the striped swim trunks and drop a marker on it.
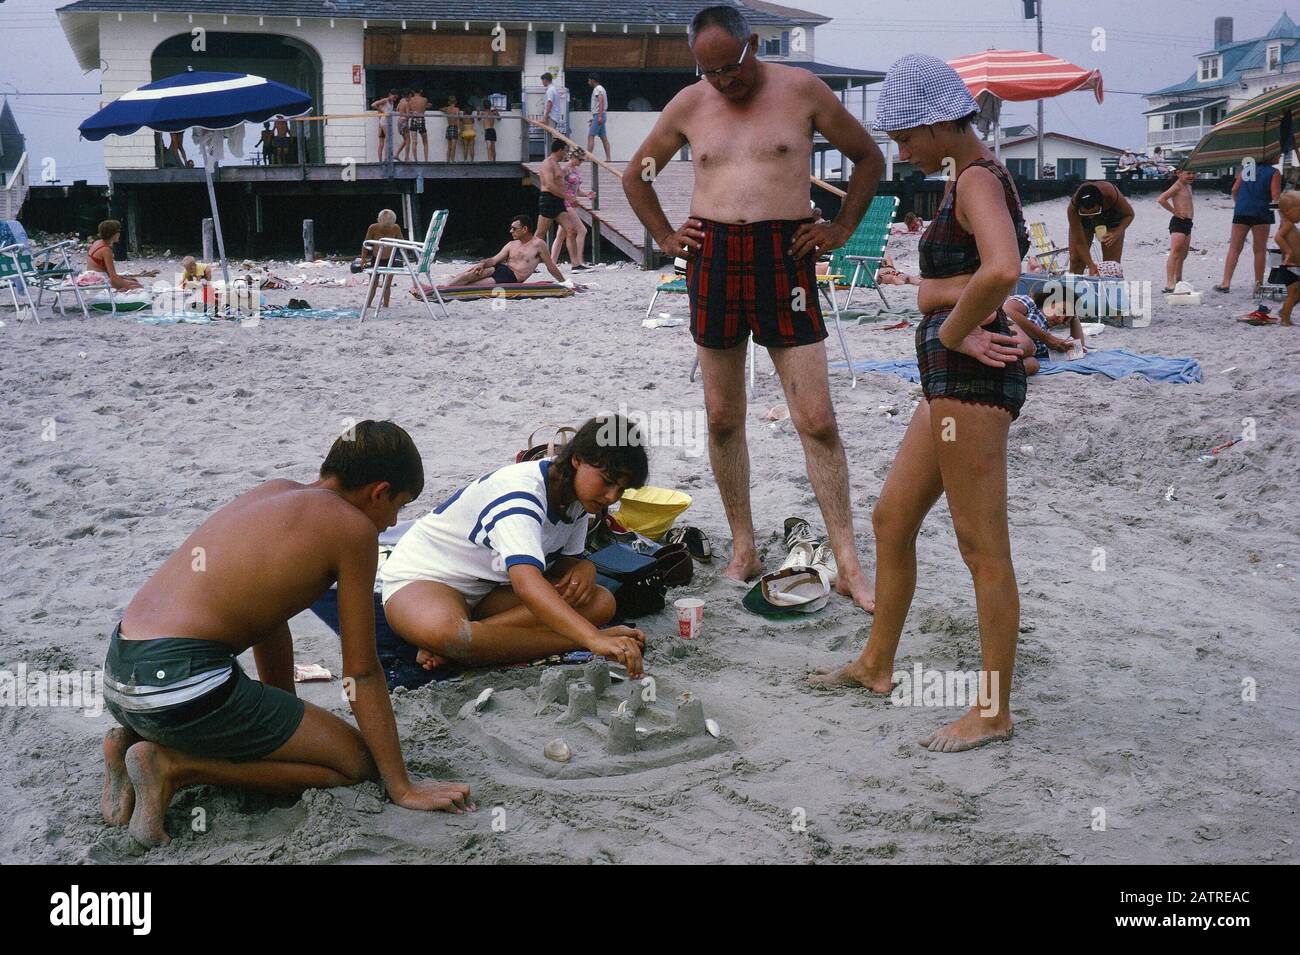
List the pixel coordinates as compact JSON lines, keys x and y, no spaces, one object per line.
{"x":743,"y":280}
{"x":951,"y":374}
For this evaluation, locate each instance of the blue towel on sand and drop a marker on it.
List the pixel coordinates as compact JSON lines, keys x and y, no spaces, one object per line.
{"x":1117,"y":363}
{"x":1114,"y":363}
{"x":396,"y":656}
{"x":902,"y":367}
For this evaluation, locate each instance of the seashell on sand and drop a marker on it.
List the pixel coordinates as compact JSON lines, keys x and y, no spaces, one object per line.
{"x":558,"y":750}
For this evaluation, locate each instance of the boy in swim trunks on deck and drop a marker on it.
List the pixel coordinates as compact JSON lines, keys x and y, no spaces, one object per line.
{"x":495,"y":573}
{"x":189,"y":715}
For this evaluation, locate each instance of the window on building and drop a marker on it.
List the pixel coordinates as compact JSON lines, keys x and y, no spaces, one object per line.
{"x":545,"y":42}
{"x":1274,"y":56}
{"x":1066,"y":168}
{"x":1211,"y":68}
{"x":772,"y":46}
{"x":1022,"y":168}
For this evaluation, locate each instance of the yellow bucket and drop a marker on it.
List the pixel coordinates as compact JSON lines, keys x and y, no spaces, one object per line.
{"x":651,"y":510}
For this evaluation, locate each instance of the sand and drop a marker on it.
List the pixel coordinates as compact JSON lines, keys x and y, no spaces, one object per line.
{"x":1129,"y":682}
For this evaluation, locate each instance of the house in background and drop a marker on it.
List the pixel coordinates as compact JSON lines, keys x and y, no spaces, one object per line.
{"x":1226,"y":76}
{"x":13,"y":164}
{"x":1072,"y":157}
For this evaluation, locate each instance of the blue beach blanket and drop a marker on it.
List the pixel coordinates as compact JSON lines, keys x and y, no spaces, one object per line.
{"x":902,"y":367}
{"x":1114,"y":363}
{"x":1117,"y":363}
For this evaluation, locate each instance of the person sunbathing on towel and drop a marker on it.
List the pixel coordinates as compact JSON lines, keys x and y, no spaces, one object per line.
{"x":495,"y":574}
{"x":190,"y":716}
{"x":890,"y":275}
{"x":517,"y":260}
{"x":99,"y":257}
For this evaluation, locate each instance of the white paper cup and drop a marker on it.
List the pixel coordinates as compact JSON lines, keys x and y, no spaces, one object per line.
{"x":690,"y":617}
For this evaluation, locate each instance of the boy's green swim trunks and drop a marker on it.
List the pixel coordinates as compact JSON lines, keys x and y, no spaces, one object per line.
{"x":193,"y":696}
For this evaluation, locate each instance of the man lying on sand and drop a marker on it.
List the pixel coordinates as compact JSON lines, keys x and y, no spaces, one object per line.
{"x":517,"y":260}
{"x":188,"y":713}
{"x":495,"y":575}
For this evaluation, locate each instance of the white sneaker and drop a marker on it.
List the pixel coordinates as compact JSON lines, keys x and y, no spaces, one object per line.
{"x":823,"y":558}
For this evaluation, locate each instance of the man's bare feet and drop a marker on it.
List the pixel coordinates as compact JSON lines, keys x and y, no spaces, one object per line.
{"x":969,"y":731}
{"x":744,"y":567}
{"x":118,"y":798}
{"x":858,"y":587}
{"x":429,"y":660}
{"x":852,"y":674}
{"x":153,"y":793}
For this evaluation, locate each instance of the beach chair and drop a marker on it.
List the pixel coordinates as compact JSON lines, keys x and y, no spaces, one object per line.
{"x":1046,"y":251}
{"x":861,"y":256}
{"x":20,"y":272}
{"x":403,"y":257}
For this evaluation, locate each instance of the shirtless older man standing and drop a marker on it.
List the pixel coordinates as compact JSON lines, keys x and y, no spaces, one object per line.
{"x":751,"y":250}
{"x":517,"y":260}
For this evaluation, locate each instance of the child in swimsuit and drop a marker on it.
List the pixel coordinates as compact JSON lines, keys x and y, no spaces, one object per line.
{"x":495,"y":573}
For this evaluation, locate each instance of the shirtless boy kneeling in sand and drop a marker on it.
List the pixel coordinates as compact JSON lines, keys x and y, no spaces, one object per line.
{"x":188,"y":713}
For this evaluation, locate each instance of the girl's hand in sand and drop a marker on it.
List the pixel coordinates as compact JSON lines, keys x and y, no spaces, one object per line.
{"x":427,"y":795}
{"x":1061,"y":344}
{"x":686,"y":241}
{"x":988,"y":347}
{"x":622,"y":644}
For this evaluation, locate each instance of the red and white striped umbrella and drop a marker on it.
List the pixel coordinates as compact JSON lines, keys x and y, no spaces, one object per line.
{"x":1019,"y":75}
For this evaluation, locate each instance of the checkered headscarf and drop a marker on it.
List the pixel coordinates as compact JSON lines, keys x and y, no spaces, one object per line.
{"x":921,"y":90}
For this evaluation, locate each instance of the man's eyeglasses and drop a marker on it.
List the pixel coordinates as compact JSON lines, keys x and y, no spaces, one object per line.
{"x":720,"y":72}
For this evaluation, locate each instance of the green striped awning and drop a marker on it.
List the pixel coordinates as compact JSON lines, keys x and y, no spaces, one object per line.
{"x":1249,"y":130}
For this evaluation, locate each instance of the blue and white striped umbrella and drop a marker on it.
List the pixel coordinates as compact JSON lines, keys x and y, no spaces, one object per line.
{"x":206,"y":100}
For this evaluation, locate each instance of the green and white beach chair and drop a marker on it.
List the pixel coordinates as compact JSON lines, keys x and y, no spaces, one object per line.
{"x":860,"y":258}
{"x":403,"y":257}
{"x":20,"y":272}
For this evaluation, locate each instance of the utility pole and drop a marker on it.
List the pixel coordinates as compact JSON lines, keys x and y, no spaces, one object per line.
{"x":1038,"y":8}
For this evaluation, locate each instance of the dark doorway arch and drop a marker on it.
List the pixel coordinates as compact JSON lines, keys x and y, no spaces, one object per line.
{"x":282,"y":58}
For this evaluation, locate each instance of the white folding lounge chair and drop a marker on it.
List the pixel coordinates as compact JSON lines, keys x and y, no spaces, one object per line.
{"x":402,"y":257}
{"x":20,"y":272}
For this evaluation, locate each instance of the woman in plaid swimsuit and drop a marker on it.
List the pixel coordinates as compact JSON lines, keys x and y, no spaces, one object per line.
{"x":974,"y":384}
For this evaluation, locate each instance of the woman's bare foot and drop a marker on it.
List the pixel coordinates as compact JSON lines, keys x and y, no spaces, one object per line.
{"x":146,"y":764}
{"x":429,"y":660}
{"x":860,"y":589}
{"x":852,"y":674}
{"x":969,"y":731}
{"x":744,"y":567}
{"x":118,"y":798}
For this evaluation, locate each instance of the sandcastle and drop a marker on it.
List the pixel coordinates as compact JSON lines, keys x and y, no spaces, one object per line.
{"x":591,"y":722}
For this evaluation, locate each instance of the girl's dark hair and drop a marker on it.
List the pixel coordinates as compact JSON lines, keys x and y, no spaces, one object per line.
{"x":109,"y":228}
{"x":611,"y":443}
{"x":374,"y":451}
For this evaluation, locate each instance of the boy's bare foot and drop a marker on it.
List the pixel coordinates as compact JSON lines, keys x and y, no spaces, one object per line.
{"x":744,"y":567}
{"x":429,"y":660}
{"x":153,"y":793}
{"x":852,"y":674}
{"x":967,"y":732}
{"x":860,"y":589}
{"x":118,"y":798}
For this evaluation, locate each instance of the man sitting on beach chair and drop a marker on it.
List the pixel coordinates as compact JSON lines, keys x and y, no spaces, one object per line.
{"x":190,"y":716}
{"x":517,"y":260}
